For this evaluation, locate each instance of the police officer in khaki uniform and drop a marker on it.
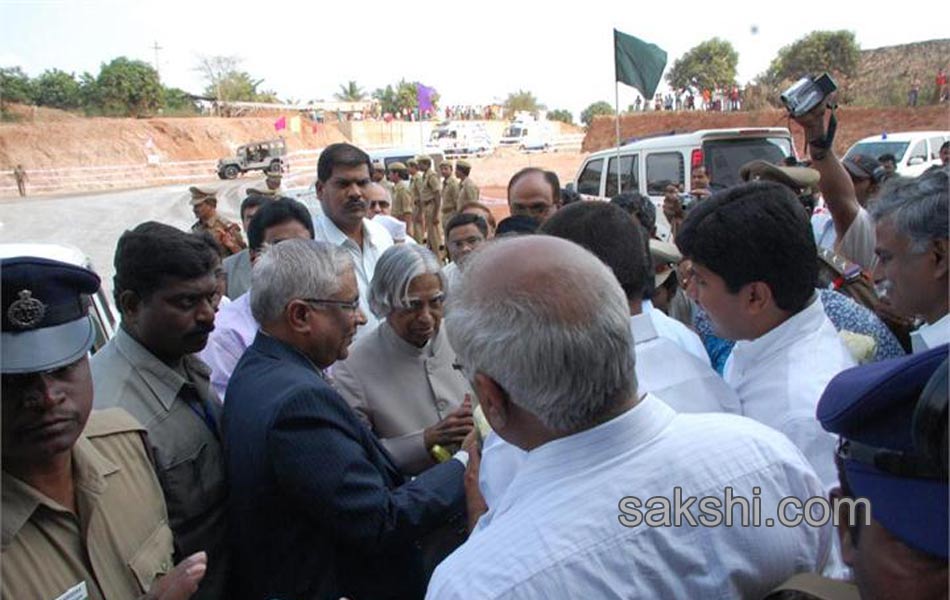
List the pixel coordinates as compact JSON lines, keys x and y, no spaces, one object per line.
{"x":402,"y":195}
{"x":431,"y":195}
{"x":273,"y":184}
{"x":415,"y":186}
{"x":83,"y":514}
{"x":228,"y":235}
{"x":450,"y":191}
{"x":468,"y":191}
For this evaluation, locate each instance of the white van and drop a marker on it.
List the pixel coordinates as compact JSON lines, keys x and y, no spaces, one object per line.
{"x":914,"y":151}
{"x":649,"y":164}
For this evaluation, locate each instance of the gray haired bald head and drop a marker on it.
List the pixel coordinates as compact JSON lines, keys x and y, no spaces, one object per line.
{"x":919,"y":207}
{"x":395,"y":270}
{"x":295,"y":268}
{"x":549,"y":323}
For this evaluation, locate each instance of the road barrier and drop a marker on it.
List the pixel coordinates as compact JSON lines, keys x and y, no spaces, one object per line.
{"x":105,"y":177}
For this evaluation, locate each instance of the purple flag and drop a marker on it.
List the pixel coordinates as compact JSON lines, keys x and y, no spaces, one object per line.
{"x":424,"y":97}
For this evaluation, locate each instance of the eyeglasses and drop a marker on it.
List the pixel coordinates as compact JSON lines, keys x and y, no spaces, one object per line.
{"x":379,"y":203}
{"x":351,"y":306}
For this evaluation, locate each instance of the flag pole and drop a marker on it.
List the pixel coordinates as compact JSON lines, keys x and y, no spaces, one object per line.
{"x":617,"y":119}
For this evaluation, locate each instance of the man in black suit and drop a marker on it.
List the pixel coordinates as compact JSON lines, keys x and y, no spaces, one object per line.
{"x":319,"y":508}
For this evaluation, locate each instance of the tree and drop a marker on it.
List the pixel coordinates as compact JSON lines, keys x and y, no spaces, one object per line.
{"x":178,"y":101}
{"x":836,"y":52}
{"x":522,"y":101}
{"x":129,"y":87}
{"x":403,"y":96}
{"x":709,"y":65}
{"x":227,"y":83}
{"x":15,"y":86}
{"x":350,"y":93}
{"x":595,"y":109}
{"x":58,"y":89}
{"x":564,"y":116}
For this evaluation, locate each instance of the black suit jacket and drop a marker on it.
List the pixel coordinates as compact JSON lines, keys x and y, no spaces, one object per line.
{"x":319,"y":509}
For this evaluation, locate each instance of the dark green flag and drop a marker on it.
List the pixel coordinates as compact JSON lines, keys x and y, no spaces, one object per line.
{"x":637,"y":63}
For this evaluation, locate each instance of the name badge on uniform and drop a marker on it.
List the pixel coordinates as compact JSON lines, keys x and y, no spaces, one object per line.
{"x":77,"y":592}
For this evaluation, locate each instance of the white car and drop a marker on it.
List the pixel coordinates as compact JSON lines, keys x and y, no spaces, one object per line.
{"x":104,"y":315}
{"x":914,"y":151}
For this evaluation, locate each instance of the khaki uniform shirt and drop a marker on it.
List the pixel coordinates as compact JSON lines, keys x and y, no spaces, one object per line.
{"x":431,"y":189}
{"x":116,"y":544}
{"x":226,"y":233}
{"x":468,"y":192}
{"x":399,"y":390}
{"x":415,"y":185}
{"x":188,"y":455}
{"x":450,"y":197}
{"x":402,"y":200}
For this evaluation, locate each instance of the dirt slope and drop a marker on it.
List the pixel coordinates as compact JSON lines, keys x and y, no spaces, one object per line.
{"x":55,"y":139}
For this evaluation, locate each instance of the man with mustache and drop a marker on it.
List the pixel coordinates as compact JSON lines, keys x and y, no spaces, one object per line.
{"x":343,"y":178}
{"x":164,"y":287}
{"x":83,"y":515}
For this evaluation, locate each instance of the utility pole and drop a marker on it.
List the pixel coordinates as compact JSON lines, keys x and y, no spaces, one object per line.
{"x":156,"y":48}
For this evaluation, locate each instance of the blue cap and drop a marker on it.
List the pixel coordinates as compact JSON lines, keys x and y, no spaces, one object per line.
{"x":873,"y":405}
{"x":45,"y":314}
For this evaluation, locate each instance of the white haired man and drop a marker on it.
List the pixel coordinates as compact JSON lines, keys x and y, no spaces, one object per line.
{"x":542,"y":329}
{"x":911,"y":220}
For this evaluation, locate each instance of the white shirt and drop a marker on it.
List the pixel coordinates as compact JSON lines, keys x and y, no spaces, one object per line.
{"x":234,"y":330}
{"x":673,"y":330}
{"x":556,"y":532}
{"x":927,"y":337}
{"x":781,"y":375}
{"x":376,"y":240}
{"x":684,"y":382}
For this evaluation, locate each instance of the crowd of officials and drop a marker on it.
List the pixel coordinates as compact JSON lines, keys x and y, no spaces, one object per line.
{"x":388,"y":395}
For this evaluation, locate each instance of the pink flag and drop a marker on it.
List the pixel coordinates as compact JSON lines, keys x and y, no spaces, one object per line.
{"x":280,"y":123}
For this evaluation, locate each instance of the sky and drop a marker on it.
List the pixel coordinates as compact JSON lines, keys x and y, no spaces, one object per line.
{"x":474,"y":52}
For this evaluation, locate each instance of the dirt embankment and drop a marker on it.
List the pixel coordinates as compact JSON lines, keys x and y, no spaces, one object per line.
{"x":52,"y":140}
{"x":854,"y":123}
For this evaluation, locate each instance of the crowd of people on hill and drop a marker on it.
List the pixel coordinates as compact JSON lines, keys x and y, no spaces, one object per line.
{"x":387,"y":394}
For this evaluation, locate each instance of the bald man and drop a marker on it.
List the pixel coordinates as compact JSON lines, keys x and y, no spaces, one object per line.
{"x":541,"y":327}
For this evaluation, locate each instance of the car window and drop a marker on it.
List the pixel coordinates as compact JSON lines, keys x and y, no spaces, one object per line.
{"x":663,"y":168}
{"x":628,"y":175}
{"x":935,"y":143}
{"x":920,"y":150}
{"x":724,"y":158}
{"x":589,"y":181}
{"x":876,"y":149}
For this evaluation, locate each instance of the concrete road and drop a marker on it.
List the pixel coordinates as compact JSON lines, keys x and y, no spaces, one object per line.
{"x":94,"y":222}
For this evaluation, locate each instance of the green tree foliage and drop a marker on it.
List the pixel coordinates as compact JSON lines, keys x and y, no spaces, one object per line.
{"x":58,"y":89}
{"x":564,"y":116}
{"x":521,"y":100}
{"x":595,"y":109}
{"x":711,"y":64}
{"x":350,"y":93}
{"x":836,"y":52}
{"x":129,"y":88}
{"x":401,"y":97}
{"x":226,"y":82}
{"x":178,"y":102}
{"x":15,"y":86}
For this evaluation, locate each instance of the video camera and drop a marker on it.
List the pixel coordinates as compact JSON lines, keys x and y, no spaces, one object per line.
{"x":807,"y":93}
